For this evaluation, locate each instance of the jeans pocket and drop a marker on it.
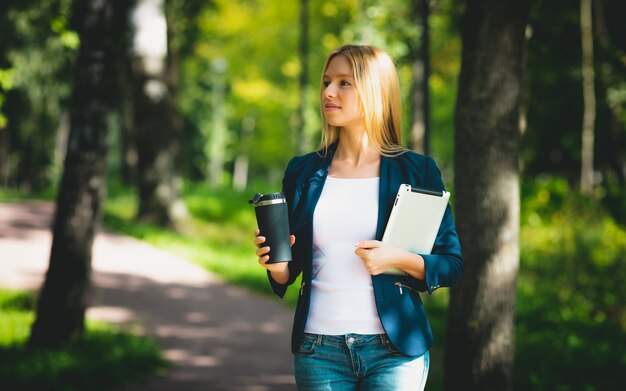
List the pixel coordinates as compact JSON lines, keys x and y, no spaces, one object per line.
{"x":392,"y":349}
{"x":307,"y":346}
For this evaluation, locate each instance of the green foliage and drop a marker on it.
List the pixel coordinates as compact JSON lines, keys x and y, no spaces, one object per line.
{"x":571,"y":316}
{"x":35,"y":55}
{"x":105,"y":358}
{"x":259,"y":44}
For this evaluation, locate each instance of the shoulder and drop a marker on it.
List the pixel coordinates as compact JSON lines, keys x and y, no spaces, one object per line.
{"x":303,"y":165}
{"x":416,"y":168}
{"x":298,"y":163}
{"x":412,"y":161}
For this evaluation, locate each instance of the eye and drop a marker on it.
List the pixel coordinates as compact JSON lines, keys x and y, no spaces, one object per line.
{"x":345,"y":83}
{"x":325,"y":83}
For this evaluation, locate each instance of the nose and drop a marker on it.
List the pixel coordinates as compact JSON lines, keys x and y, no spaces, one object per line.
{"x":329,"y":91}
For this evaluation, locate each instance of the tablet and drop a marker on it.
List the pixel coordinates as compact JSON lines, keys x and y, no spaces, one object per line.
{"x":415,"y":219}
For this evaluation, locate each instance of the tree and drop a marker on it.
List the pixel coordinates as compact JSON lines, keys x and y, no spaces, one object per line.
{"x":589,"y":97}
{"x":155,"y":74}
{"x":480,"y":336}
{"x":302,"y":143}
{"x":421,"y":72}
{"x":66,"y":290}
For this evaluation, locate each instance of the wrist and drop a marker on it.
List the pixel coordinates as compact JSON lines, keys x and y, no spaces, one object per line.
{"x":412,"y":264}
{"x":280,"y":276}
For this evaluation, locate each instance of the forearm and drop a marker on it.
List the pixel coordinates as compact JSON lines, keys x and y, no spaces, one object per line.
{"x":280,"y":276}
{"x":412,"y":264}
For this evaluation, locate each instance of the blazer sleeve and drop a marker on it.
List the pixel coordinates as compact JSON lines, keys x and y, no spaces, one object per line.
{"x":444,"y":265}
{"x":295,"y":266}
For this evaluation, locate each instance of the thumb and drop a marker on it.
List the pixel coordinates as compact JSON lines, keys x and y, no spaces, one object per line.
{"x":368,"y":244}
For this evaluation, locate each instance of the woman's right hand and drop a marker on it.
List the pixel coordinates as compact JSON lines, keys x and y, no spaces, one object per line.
{"x":279,"y":271}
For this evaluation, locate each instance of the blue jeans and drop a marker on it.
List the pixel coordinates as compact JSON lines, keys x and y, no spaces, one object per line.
{"x":356,"y":362}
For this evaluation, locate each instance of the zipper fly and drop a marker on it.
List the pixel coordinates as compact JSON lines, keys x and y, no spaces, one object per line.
{"x":401,"y":285}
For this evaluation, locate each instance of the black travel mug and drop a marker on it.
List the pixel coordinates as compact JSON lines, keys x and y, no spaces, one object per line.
{"x":273,"y":220}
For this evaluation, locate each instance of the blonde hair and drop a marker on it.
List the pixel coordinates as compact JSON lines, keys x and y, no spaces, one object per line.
{"x":378,"y":89}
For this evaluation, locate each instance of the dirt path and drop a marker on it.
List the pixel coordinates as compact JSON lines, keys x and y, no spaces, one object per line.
{"x":218,"y":337}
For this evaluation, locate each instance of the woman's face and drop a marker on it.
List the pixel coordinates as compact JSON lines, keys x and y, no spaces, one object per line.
{"x":340,"y":100}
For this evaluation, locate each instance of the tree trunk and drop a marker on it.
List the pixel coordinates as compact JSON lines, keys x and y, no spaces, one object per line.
{"x":156,"y":126}
{"x":219,"y":129}
{"x":66,"y":290}
{"x":302,"y":142}
{"x":420,"y":93}
{"x":480,"y":336}
{"x":4,"y":154}
{"x":241,"y":167}
{"x":589,"y":98}
{"x":128,"y":146}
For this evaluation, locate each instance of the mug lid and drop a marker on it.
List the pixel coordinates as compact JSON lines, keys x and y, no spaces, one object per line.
{"x":259,"y":197}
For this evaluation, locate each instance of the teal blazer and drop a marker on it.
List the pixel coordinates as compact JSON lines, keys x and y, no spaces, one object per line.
{"x":398,"y":301}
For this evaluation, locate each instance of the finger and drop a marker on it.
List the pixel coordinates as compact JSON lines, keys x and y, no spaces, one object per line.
{"x":262,"y":251}
{"x":259,"y":239}
{"x":292,"y":239}
{"x":362,"y":253}
{"x":263,"y":260}
{"x":368,"y":244}
{"x":257,"y":232}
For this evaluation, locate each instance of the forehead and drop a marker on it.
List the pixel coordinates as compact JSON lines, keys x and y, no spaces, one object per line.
{"x":338,"y":66}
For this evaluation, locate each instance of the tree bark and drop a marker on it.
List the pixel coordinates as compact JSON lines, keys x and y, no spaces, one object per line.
{"x":302,"y":143}
{"x":156,"y":126}
{"x":480,"y":336}
{"x":219,"y":128}
{"x":420,"y":92}
{"x":66,"y":291}
{"x":589,"y":98}
{"x":4,"y":153}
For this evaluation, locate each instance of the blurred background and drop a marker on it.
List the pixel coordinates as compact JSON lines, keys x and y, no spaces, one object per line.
{"x":210,"y":99}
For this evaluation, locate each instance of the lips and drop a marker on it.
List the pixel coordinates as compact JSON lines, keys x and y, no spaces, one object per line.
{"x":331,"y":106}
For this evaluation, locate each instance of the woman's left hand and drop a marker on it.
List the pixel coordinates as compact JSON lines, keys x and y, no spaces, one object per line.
{"x":378,"y":257}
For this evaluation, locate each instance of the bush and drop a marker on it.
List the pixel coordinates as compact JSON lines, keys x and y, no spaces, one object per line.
{"x":571,"y":318}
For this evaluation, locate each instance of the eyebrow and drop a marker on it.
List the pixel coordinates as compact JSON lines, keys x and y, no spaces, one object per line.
{"x":340,"y":75}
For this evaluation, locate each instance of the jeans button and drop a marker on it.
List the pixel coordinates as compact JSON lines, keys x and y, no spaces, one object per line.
{"x":350,"y":340}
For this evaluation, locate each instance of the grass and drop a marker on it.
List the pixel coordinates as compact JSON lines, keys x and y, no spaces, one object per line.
{"x":103,"y":359}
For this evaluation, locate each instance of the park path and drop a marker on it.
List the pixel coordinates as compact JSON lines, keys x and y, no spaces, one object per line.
{"x":217,"y":337}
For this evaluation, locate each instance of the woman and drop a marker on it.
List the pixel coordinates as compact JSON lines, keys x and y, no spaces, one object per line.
{"x":357,"y":327}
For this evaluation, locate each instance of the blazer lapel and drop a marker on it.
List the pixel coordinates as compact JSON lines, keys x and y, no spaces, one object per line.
{"x":389,"y":184}
{"x":383,"y":196}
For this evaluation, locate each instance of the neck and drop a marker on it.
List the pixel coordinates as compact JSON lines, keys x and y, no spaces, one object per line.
{"x":355,"y":148}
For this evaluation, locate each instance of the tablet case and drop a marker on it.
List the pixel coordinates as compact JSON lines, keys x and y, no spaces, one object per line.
{"x":415,"y":219}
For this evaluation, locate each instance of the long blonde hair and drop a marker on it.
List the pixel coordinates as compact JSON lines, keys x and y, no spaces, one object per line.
{"x":376,"y":82}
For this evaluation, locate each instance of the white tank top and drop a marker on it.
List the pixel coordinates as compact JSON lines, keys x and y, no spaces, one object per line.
{"x":342,"y":297}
